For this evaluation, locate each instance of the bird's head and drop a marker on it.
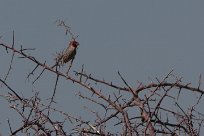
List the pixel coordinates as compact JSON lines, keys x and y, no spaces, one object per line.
{"x":74,"y":43}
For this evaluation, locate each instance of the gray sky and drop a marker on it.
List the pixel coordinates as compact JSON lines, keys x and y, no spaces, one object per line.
{"x":141,"y":39}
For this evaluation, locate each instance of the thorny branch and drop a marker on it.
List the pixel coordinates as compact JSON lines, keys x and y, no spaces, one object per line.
{"x":66,"y":27}
{"x":11,"y":62}
{"x":138,"y":110}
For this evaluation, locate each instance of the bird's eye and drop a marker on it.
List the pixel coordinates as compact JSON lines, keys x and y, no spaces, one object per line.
{"x":76,"y":43}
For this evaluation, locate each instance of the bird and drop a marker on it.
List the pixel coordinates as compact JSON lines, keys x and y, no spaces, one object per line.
{"x":68,"y":54}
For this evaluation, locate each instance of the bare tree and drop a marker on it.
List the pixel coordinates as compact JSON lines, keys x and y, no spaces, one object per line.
{"x":138,"y":110}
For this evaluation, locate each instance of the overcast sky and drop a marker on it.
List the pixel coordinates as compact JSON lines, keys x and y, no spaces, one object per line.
{"x":141,"y":39}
